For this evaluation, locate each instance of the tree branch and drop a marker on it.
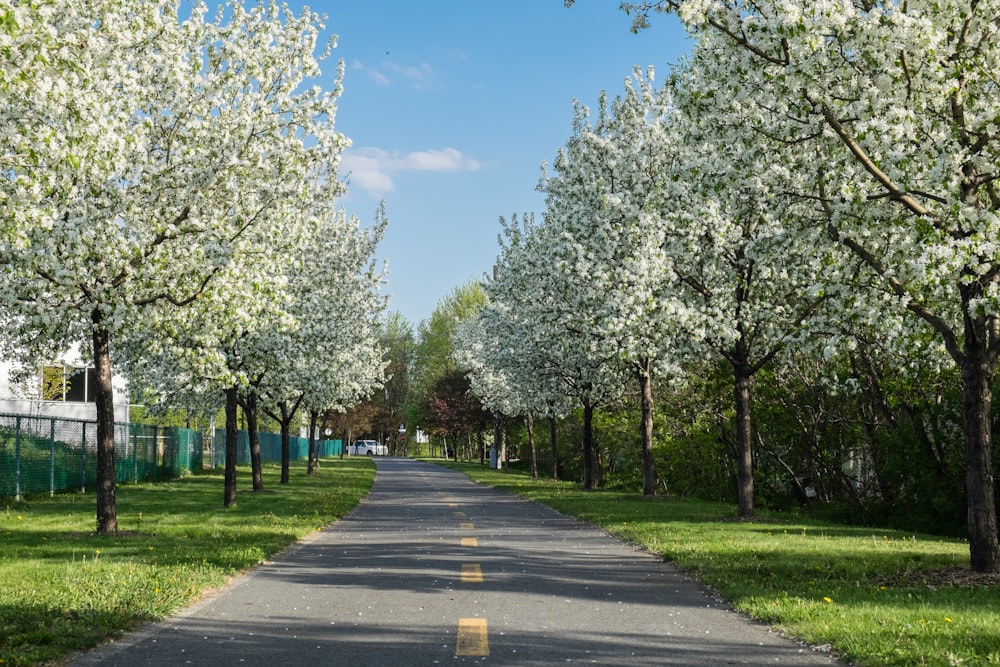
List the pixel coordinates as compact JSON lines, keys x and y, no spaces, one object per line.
{"x":179,"y":301}
{"x":894,"y":284}
{"x":894,"y":191}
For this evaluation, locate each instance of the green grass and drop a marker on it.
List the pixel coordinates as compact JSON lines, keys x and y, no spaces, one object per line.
{"x":64,"y":588}
{"x":858,"y":591}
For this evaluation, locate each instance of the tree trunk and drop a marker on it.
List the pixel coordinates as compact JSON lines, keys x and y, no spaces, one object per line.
{"x":253,"y":437}
{"x":286,"y":428}
{"x":646,"y":388}
{"x":107,"y":505}
{"x":552,"y":443}
{"x":231,"y":416}
{"x":502,"y":454}
{"x":313,"y":448}
{"x":287,"y":415}
{"x":744,"y":453}
{"x":588,"y":445}
{"x":531,"y":447}
{"x":495,"y":448}
{"x":978,"y":368}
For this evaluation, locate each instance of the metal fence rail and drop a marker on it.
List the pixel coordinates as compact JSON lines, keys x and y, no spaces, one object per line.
{"x":48,"y":454}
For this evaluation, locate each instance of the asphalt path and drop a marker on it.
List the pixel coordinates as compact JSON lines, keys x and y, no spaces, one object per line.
{"x":433,"y":569}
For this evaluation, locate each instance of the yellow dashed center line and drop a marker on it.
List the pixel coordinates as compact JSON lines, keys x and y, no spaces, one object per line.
{"x":472,"y":637}
{"x":470,"y":542}
{"x":472,"y":573}
{"x":467,"y":525}
{"x":458,"y":514}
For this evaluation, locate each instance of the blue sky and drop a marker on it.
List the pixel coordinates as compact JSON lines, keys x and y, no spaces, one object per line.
{"x":452,"y":106}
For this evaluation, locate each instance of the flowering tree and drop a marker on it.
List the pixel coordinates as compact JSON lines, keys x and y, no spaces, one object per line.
{"x":545,"y":295}
{"x":744,"y":258}
{"x":331,"y":357}
{"x":500,"y":354}
{"x":141,"y":151}
{"x":311,"y":343}
{"x":891,"y":110}
{"x":607,"y":200}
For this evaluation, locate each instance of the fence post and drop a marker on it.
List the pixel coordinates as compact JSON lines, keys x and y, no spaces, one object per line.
{"x":211,"y":451}
{"x":17,"y":458}
{"x":135,"y":450}
{"x":161,"y":467}
{"x":83,"y":460}
{"x":52,"y":457}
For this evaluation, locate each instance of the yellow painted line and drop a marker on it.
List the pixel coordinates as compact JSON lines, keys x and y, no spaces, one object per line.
{"x":472,"y":637}
{"x":472,"y":573}
{"x":470,"y":542}
{"x":458,"y":514}
{"x":452,"y":504}
{"x":467,"y":525}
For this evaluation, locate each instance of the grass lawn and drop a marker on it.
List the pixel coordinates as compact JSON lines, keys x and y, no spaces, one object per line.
{"x":874,"y":597}
{"x":63,"y":588}
{"x":871,"y":596}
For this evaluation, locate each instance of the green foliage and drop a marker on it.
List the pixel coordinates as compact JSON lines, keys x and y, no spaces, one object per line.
{"x":883,"y":449}
{"x":435,"y":340}
{"x":64,"y":588}
{"x":175,"y":417}
{"x":400,"y":349}
{"x":876,"y":596}
{"x":887,"y":453}
{"x":43,"y":463}
{"x":693,"y":427}
{"x":52,"y":383}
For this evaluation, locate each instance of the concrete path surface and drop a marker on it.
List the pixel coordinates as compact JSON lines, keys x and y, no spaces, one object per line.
{"x":433,"y":569}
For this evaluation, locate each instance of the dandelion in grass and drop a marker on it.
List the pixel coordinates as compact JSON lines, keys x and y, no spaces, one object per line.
{"x":825,"y":599}
{"x":947,"y":620}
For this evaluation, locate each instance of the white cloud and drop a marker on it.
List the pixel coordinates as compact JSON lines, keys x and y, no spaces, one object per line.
{"x":373,"y":74}
{"x":420,"y":76}
{"x":374,"y":169}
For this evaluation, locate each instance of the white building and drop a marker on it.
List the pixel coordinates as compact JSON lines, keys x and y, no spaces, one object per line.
{"x":65,"y":389}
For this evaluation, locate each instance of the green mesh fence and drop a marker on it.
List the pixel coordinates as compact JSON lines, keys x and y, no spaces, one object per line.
{"x":270,"y":447}
{"x":49,"y":454}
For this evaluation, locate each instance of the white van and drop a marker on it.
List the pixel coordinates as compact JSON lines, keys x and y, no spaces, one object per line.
{"x":367,"y":448}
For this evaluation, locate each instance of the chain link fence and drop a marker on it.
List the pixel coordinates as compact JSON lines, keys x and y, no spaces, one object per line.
{"x":270,"y":448}
{"x":40,"y":454}
{"x":44,"y":454}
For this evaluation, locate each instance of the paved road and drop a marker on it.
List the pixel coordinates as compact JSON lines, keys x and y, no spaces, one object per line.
{"x":432,"y":568}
